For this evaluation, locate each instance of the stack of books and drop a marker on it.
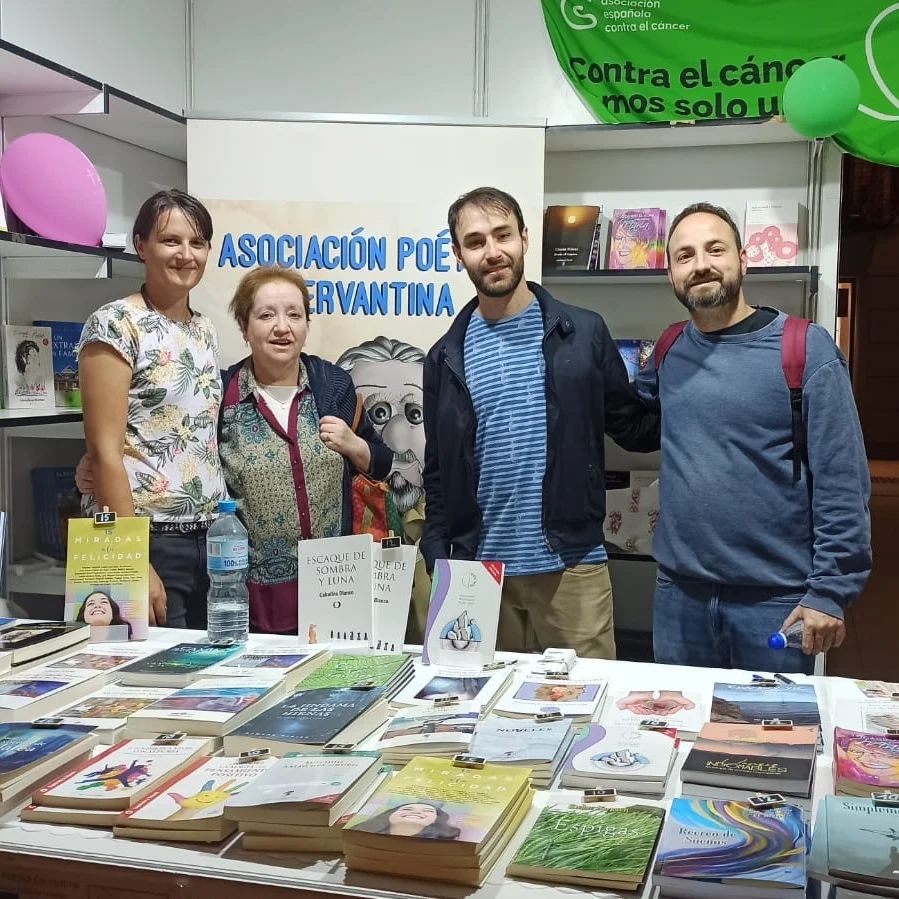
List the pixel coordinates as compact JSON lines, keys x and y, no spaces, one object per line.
{"x":94,"y":792}
{"x":190,"y":807}
{"x":626,"y":758}
{"x":716,"y":848}
{"x":302,"y":802}
{"x":108,"y":709}
{"x":864,"y":763}
{"x":26,"y":695}
{"x":529,"y":695}
{"x":285,"y":663}
{"x":458,"y":818}
{"x":538,"y":745}
{"x":176,"y":666}
{"x":208,"y":708}
{"x":675,"y":709}
{"x":730,"y":761}
{"x":856,"y":846}
{"x":30,"y":754}
{"x":607,"y":847}
{"x":390,"y":671}
{"x":28,"y":641}
{"x":431,"y":683}
{"x":310,"y":720}
{"x":435,"y":732}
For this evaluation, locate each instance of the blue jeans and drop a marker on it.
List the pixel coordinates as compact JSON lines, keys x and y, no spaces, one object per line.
{"x":722,"y":626}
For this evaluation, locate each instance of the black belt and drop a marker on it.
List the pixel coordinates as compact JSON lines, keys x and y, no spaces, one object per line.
{"x":178,"y":527}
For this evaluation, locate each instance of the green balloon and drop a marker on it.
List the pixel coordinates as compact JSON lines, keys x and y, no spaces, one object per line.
{"x":821,"y":97}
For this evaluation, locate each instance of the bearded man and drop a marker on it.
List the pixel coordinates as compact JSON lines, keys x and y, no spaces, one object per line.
{"x":745,"y":548}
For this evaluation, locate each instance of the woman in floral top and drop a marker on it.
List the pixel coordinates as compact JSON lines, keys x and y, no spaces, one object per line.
{"x":151,"y":391}
{"x":286,"y":441}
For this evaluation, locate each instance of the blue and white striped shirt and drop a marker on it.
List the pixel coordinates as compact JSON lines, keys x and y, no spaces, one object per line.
{"x":505,"y":372}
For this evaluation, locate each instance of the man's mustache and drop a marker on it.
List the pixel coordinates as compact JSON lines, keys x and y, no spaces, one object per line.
{"x":405,"y":457}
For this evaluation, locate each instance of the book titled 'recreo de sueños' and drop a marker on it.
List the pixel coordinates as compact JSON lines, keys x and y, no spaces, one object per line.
{"x":463,"y":613}
{"x":108,"y":577}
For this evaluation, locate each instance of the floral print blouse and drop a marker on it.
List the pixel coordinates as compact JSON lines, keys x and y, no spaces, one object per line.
{"x":171,"y":448}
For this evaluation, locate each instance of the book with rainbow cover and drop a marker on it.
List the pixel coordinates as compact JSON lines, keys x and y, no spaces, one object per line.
{"x":638,"y":239}
{"x":864,"y":763}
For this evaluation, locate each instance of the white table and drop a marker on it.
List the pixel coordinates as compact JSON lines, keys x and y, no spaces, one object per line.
{"x":46,"y":861}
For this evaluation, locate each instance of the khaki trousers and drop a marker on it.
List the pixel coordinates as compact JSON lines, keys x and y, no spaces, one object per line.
{"x":569,"y":609}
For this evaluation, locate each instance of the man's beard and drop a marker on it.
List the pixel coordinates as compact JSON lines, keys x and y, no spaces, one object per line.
{"x":404,"y":494}
{"x":500,"y":288}
{"x":726,"y":295}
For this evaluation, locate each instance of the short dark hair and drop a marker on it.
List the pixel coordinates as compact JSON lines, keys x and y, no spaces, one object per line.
{"x":488,"y":198}
{"x":165,"y":201}
{"x":711,"y":209}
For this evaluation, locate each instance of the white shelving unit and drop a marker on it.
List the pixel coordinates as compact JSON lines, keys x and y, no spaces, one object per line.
{"x":136,"y":146}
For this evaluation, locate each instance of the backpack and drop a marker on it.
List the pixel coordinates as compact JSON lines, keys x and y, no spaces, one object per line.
{"x":792,"y":360}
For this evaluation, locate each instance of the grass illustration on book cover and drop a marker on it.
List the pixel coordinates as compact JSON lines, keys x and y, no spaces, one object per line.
{"x":346,"y":669}
{"x":432,"y":799}
{"x":108,"y":576}
{"x":616,"y":842}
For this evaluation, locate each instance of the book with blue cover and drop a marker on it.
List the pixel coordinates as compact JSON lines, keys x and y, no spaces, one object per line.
{"x":714,"y":847}
{"x":65,"y":337}
{"x":24,"y":747}
{"x":751,"y":704}
{"x":177,"y":666}
{"x":310,"y":719}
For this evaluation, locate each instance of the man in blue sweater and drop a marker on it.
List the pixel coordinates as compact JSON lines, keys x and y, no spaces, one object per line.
{"x":745,"y":550}
{"x":517,"y":397}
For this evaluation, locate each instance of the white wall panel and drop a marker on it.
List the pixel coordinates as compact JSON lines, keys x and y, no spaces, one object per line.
{"x":137,"y":46}
{"x":396,"y":57}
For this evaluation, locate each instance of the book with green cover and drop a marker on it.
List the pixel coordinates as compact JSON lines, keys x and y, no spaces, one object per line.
{"x":862,"y":842}
{"x":176,"y":666}
{"x":600,"y":847}
{"x":347,"y":669}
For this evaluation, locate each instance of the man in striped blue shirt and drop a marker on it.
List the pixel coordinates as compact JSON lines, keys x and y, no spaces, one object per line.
{"x":517,"y":397}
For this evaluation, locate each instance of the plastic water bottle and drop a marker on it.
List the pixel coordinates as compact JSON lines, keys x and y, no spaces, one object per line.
{"x":227,"y":561}
{"x":791,"y":638}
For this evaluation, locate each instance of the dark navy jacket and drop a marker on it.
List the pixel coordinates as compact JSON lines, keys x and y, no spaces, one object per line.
{"x":587,"y":395}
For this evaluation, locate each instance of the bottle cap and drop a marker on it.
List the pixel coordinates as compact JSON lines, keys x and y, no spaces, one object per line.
{"x":777,"y":641}
{"x":227,"y":505}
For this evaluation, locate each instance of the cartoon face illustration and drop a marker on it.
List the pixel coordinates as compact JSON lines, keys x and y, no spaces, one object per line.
{"x":387,"y":374}
{"x":207,"y":797}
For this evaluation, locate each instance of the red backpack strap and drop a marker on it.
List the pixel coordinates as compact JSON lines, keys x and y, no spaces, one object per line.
{"x":792,"y":360}
{"x":666,"y":341}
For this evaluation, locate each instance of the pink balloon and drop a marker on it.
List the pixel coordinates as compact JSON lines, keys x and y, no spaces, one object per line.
{"x":54,"y":189}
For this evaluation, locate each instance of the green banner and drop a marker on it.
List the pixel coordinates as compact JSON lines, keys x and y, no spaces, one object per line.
{"x":683,"y":60}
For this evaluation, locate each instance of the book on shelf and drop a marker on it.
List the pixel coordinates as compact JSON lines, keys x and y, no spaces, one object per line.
{"x":771,"y":233}
{"x":577,"y":699}
{"x":678,"y":709}
{"x":29,"y":367}
{"x":463,"y":613}
{"x":751,"y":704}
{"x":41,"y":640}
{"x":864,"y":763}
{"x":288,"y":663}
{"x":390,"y":671}
{"x":31,"y":694}
{"x":638,"y":239}
{"x":597,"y":847}
{"x":56,"y":502}
{"x":190,"y":807}
{"x":538,"y":745}
{"x":635,"y":352}
{"x":314,"y":790}
{"x":311,"y":719}
{"x":438,"y":732}
{"x":629,"y":758}
{"x":210,"y":707}
{"x":750,"y":758}
{"x":431,"y":683}
{"x":65,"y":337}
{"x":176,"y":666}
{"x":392,"y":573}
{"x":120,"y":776}
{"x":108,"y":709}
{"x":717,"y":848}
{"x":334,"y":589}
{"x":108,"y":577}
{"x":570,"y":238}
{"x":459,"y":818}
